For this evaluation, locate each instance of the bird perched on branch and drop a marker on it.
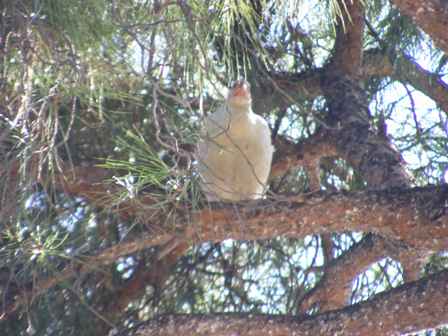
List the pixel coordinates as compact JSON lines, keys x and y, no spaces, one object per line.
{"x":235,"y":154}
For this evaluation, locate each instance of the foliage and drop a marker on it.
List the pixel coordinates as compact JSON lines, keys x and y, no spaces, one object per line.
{"x":124,"y":85}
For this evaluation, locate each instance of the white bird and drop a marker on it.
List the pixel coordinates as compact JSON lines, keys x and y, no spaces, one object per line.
{"x":235,"y":155}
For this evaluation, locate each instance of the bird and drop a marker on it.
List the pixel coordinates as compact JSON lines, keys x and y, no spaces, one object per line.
{"x":235,"y":153}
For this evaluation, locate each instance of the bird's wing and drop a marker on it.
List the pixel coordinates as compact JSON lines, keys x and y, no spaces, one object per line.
{"x":217,"y":123}
{"x":263,"y":132}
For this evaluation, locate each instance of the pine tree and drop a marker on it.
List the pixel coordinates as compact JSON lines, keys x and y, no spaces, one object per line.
{"x":104,"y":227}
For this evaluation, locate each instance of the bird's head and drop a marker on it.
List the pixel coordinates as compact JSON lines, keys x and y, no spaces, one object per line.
{"x":239,"y":94}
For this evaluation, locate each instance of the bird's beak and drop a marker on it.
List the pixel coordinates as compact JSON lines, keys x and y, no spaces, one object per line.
{"x":240,"y":91}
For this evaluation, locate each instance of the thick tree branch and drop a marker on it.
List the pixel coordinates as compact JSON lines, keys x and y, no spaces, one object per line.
{"x":376,"y":63}
{"x":418,"y":217}
{"x":144,"y":275}
{"x":405,"y":69}
{"x":408,"y":308}
{"x":378,"y":162}
{"x":306,"y":153}
{"x":409,"y":71}
{"x":333,"y":290}
{"x":347,"y":53}
{"x":281,"y":90}
{"x":89,"y":182}
{"x":430,"y":15}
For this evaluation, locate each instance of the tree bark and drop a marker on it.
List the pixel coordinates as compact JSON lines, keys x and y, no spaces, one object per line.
{"x":334,"y":289}
{"x":404,"y":69}
{"x":408,"y":308}
{"x":430,"y":15}
{"x":418,"y":217}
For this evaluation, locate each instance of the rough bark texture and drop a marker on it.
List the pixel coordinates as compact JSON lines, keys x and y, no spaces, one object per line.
{"x":411,"y":307}
{"x":351,"y":138}
{"x":347,"y":51}
{"x":350,"y":131}
{"x":307,"y":153}
{"x":417,"y":217}
{"x":335,"y":287}
{"x":281,"y":90}
{"x":429,"y":15}
{"x":411,"y":222}
{"x":354,"y":139}
{"x":403,"y":68}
